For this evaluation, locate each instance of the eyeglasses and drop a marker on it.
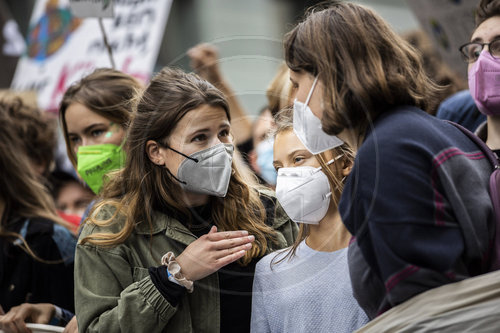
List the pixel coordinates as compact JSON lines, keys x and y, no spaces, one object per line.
{"x":471,"y":51}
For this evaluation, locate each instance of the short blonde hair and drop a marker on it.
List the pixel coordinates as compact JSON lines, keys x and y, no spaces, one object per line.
{"x":280,"y":90}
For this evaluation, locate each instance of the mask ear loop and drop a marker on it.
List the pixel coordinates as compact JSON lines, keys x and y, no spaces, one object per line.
{"x":171,"y":174}
{"x":329,"y":194}
{"x":311,"y":91}
{"x":329,"y":162}
{"x":178,"y":152}
{"x":120,"y":147}
{"x":195,"y":160}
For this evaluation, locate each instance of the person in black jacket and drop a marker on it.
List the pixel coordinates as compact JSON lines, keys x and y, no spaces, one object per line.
{"x":36,"y":246}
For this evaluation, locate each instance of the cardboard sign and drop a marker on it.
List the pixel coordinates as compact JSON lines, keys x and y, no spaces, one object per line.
{"x":450,"y":24}
{"x":62,"y":48}
{"x":92,"y":8}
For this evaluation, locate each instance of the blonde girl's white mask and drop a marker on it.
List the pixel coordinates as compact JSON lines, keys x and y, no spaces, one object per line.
{"x":304,"y":193}
{"x":308,"y":128}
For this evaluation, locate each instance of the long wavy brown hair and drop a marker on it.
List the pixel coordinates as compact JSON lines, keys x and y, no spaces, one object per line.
{"x":142,"y":185}
{"x":284,"y":123}
{"x":105,"y":91}
{"x":365,"y":67}
{"x":22,"y":193}
{"x":36,"y":128}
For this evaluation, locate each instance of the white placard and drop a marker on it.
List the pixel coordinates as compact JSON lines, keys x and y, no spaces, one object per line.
{"x":450,"y":24}
{"x":92,"y":8}
{"x":56,"y":58}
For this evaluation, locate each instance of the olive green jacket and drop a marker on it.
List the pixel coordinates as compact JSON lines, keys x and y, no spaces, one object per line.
{"x":113,"y":290}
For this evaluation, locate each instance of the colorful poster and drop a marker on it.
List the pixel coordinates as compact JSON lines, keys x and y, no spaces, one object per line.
{"x":449,"y":23}
{"x":62,"y":48}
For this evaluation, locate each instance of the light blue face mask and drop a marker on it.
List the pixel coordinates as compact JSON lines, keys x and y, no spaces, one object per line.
{"x":264,"y":152}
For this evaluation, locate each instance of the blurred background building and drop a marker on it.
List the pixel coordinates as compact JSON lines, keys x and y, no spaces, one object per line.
{"x":248,"y":35}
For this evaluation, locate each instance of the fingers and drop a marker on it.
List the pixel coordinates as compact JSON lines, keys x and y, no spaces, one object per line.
{"x":232,"y":242}
{"x":15,"y":319}
{"x":230,"y":251}
{"x":13,"y":323}
{"x":203,"y":50}
{"x":221,"y":262}
{"x":19,"y":317}
{"x":23,"y":311}
{"x":197,"y":56}
{"x":213,"y":229}
{"x":21,"y":326}
{"x":217,"y":236}
{"x":72,"y":326}
{"x":203,"y":57}
{"x":42,"y":313}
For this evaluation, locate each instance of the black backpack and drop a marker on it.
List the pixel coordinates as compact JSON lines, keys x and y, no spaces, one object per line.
{"x":494,"y":194}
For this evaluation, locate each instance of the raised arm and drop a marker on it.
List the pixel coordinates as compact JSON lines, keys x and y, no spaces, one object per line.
{"x":205,"y":61}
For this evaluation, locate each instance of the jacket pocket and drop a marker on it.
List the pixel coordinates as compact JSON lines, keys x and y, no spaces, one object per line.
{"x":140,"y":273}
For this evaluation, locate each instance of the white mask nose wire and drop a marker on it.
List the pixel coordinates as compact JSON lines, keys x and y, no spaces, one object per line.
{"x":311,"y":91}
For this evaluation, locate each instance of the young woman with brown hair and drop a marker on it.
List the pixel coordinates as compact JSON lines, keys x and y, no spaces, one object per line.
{"x":37,"y":248}
{"x":416,"y":201}
{"x":291,"y":284}
{"x":94,"y":115}
{"x":180,"y":200}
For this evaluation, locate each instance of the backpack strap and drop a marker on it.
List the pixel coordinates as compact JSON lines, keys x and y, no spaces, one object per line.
{"x":494,"y":189}
{"x":492,"y":157}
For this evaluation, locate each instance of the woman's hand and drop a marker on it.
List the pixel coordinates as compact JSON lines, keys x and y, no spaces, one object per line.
{"x":14,"y":320}
{"x":205,"y":61}
{"x":213,"y":251}
{"x":72,"y":326}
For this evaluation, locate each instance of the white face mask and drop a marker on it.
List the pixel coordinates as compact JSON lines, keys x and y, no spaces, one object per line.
{"x":207,"y":171}
{"x":308,"y":128}
{"x":304,"y":193}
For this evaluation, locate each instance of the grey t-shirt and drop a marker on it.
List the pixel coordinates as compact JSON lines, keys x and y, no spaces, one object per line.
{"x":310,"y":293}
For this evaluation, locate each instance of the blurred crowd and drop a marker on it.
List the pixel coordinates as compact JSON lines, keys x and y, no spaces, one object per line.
{"x":350,"y":202}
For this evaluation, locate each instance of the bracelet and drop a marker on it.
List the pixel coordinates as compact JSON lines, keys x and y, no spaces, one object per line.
{"x":174,"y":270}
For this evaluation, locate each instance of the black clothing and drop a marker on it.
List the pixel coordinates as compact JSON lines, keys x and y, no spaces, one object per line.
{"x":26,"y":279}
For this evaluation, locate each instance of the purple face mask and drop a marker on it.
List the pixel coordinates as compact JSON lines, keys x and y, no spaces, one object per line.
{"x":484,"y":83}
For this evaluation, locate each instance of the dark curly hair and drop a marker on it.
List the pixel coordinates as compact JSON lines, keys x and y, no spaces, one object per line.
{"x":487,"y":9}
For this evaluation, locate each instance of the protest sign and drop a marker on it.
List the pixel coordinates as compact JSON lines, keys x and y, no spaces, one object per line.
{"x":62,"y":48}
{"x":91,"y":8}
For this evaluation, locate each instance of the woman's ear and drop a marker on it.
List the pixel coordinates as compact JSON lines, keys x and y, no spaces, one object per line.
{"x":346,"y":169}
{"x":154,"y":153}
